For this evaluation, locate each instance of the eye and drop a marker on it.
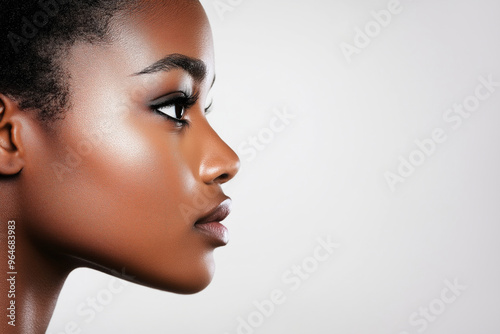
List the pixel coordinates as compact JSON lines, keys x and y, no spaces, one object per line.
{"x":173,"y":106}
{"x":175,"y":111}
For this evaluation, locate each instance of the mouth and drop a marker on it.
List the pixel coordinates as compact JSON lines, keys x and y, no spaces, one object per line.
{"x":210,"y":224}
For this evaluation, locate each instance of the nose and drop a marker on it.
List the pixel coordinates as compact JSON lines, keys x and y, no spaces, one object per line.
{"x":219,"y":163}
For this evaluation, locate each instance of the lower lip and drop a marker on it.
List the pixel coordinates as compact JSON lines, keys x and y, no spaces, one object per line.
{"x":215,"y":231}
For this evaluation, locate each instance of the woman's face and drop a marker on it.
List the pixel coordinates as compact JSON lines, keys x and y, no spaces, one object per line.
{"x":121,"y":183}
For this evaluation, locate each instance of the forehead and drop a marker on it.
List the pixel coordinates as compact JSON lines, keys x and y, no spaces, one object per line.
{"x":149,"y":32}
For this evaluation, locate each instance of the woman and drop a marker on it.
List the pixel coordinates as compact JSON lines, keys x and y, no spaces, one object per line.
{"x":106,"y":158}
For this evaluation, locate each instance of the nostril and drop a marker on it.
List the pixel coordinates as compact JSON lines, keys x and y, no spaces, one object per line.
{"x":222,"y":178}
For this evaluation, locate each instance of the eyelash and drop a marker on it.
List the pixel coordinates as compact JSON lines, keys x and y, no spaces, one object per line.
{"x":183,"y":101}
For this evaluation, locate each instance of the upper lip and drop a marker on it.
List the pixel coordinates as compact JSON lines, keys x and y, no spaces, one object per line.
{"x":217,"y":214}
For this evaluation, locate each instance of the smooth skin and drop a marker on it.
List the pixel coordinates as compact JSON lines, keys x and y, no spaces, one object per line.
{"x":117,"y":185}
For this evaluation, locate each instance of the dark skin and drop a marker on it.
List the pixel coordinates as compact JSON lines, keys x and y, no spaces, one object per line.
{"x":118,"y":184}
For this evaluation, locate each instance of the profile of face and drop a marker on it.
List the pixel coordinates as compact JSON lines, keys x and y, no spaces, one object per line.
{"x":130,"y":178}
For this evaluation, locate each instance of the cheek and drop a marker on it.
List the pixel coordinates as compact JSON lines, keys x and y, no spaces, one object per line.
{"x":118,"y":200}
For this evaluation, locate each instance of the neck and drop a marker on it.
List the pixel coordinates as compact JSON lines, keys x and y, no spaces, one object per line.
{"x":32,"y":283}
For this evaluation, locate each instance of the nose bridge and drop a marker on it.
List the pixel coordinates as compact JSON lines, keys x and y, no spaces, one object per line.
{"x":217,"y":162}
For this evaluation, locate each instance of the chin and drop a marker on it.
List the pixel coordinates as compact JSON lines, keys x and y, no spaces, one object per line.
{"x":187,"y":286}
{"x":185,"y":280}
{"x":192,"y":288}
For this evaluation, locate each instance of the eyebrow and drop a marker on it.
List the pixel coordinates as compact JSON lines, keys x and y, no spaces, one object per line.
{"x":195,"y":67}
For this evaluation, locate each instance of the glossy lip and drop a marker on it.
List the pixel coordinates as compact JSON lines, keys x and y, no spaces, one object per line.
{"x":210,"y":223}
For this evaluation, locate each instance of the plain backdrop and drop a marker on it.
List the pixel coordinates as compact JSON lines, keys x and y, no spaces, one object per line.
{"x":321,"y":174}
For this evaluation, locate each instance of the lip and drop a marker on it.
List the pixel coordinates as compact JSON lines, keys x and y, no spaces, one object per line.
{"x":210,"y":224}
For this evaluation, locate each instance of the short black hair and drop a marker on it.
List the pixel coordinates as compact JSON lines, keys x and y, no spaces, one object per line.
{"x":35,"y":36}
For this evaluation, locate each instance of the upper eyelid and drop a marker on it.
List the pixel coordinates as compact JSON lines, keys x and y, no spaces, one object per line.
{"x":168,"y":98}
{"x":174,"y":97}
{"x":171,"y":99}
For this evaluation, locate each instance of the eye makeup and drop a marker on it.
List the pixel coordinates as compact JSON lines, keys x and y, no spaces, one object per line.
{"x":173,"y":106}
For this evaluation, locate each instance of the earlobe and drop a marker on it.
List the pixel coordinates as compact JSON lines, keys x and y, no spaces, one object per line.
{"x":11,"y":153}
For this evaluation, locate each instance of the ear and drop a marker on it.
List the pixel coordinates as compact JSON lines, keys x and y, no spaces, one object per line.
{"x":11,"y":152}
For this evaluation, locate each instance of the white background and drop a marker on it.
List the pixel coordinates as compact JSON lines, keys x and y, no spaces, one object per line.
{"x":323,"y":176}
